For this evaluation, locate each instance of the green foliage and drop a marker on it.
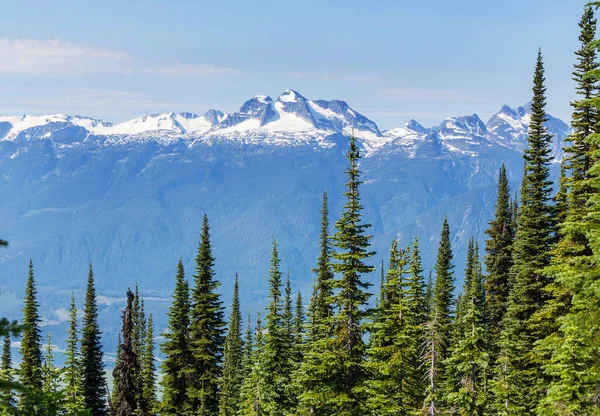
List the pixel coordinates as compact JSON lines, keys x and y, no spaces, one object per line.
{"x":176,"y":349}
{"x":353,"y":249}
{"x":232,"y":361}
{"x":498,"y":260}
{"x":92,"y":365}
{"x":531,"y":253}
{"x":207,"y":327}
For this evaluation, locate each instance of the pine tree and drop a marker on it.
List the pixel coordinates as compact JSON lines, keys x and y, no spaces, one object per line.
{"x":176,"y":350}
{"x":534,"y":237}
{"x":275,"y":357}
{"x":314,"y":377}
{"x":93,"y":379}
{"x":298,"y":330}
{"x":232,"y":359}
{"x":394,"y":383}
{"x":31,"y":344}
{"x":53,"y":399}
{"x":114,"y":399}
{"x":571,"y":351}
{"x":498,"y":261}
{"x":247,"y":360}
{"x":469,"y":360}
{"x":254,"y":393}
{"x":7,"y":399}
{"x":138,"y":339}
{"x":128,"y":366}
{"x":352,"y":250}
{"x":73,"y":363}
{"x":149,"y":369}
{"x":207,"y":327}
{"x":443,"y":290}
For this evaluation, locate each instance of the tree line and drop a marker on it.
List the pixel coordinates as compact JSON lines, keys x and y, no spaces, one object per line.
{"x":522,"y":336}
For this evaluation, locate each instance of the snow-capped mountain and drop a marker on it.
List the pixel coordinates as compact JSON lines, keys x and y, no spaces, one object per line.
{"x":130,"y":196}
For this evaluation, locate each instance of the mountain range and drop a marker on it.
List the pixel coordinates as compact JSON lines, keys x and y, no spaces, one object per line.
{"x":130,"y":196}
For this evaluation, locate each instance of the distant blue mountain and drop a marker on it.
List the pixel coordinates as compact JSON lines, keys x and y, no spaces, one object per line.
{"x":130,"y":197}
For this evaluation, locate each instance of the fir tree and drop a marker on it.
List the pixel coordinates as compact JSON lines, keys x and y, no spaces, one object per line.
{"x":6,"y":375}
{"x":149,"y":369}
{"x":207,"y":329}
{"x":128,"y":366}
{"x":114,"y":399}
{"x":52,"y":396}
{"x":232,"y":359}
{"x":498,"y":261}
{"x":393,"y":386}
{"x":298,"y":329}
{"x":92,"y":366}
{"x":443,"y":290}
{"x":275,"y":358}
{"x":247,"y":360}
{"x":31,"y":344}
{"x":314,"y":377}
{"x":571,"y":351}
{"x":531,"y":249}
{"x":176,"y":350}
{"x":73,"y":363}
{"x":469,"y":360}
{"x":254,"y":393}
{"x":352,"y":245}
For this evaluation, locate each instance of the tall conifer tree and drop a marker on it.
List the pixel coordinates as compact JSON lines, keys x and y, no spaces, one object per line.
{"x":176,"y":349}
{"x":232,"y":359}
{"x":31,"y":344}
{"x":572,"y":367}
{"x":92,"y":365}
{"x":534,"y":237}
{"x":128,"y":366}
{"x":207,"y":328}
{"x":7,"y":399}
{"x":498,"y":261}
{"x":73,"y":363}
{"x":353,"y":249}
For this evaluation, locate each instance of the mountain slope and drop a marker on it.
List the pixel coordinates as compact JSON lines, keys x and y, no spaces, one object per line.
{"x":130,"y":196}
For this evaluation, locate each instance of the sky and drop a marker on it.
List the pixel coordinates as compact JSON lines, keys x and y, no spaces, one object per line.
{"x":390,"y":60}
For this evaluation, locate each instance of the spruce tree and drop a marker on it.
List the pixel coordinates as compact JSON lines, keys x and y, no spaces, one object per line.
{"x":232,"y":359}
{"x":73,"y":363}
{"x":534,"y":237}
{"x":176,"y":350}
{"x":114,"y":399}
{"x":298,"y":330}
{"x":314,"y":377}
{"x":128,"y":366}
{"x":394,"y":383}
{"x":353,"y":249}
{"x":31,"y":344}
{"x":255,"y":394}
{"x":207,"y":329}
{"x":149,"y":369}
{"x":247,"y":359}
{"x":498,"y":260}
{"x":443,"y":290}
{"x":431,"y":359}
{"x":92,"y":366}
{"x":275,"y":357}
{"x":7,"y":399}
{"x":572,"y":367}
{"x":470,"y":360}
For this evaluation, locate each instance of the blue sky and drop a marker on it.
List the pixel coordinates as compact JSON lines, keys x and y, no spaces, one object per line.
{"x":391,"y":60}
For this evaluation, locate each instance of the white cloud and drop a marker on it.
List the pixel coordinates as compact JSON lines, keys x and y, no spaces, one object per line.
{"x":55,"y":57}
{"x":336,"y":77}
{"x":32,"y":56}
